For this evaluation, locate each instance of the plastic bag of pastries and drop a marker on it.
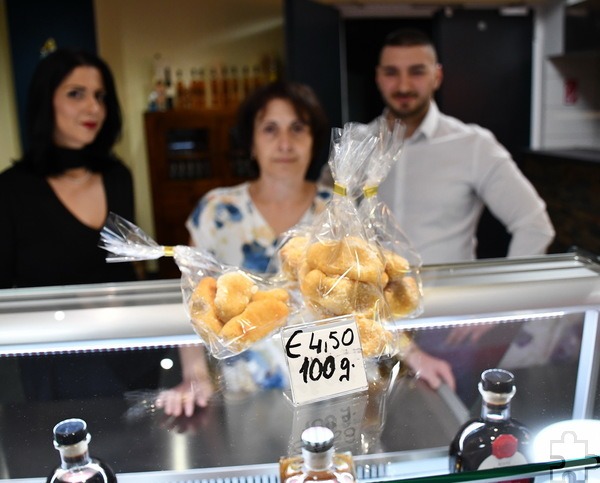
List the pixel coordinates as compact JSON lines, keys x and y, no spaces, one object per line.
{"x":403,"y":288}
{"x":335,"y":267}
{"x":230,"y":309}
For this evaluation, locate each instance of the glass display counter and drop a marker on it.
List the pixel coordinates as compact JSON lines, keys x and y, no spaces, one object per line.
{"x":537,"y":317}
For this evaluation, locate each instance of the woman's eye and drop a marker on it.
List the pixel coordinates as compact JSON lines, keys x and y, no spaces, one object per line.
{"x":101,"y":97}
{"x":75,"y":94}
{"x":269,"y":129}
{"x":299,"y":128}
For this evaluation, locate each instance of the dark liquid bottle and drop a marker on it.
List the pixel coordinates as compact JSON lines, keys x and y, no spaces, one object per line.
{"x":76,"y":466}
{"x":318,"y":462}
{"x":494,"y":440}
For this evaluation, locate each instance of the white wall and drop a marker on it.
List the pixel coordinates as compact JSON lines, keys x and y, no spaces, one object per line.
{"x":10,"y":145}
{"x":556,"y":122}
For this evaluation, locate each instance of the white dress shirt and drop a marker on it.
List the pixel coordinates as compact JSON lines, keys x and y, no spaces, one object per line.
{"x":446,"y":174}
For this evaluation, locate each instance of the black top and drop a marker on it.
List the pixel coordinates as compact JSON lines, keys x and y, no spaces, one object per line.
{"x":42,"y":243}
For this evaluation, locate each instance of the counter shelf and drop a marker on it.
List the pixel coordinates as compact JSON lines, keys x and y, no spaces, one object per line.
{"x":399,"y":430}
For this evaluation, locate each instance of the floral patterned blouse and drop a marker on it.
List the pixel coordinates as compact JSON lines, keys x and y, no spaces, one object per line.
{"x":226,"y":222}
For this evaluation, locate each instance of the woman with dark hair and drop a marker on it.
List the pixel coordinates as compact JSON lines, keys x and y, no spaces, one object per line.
{"x":55,"y":200}
{"x":281,"y":126}
{"x":53,"y":203}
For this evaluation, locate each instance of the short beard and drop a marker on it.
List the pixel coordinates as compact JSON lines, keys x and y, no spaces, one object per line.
{"x":418,"y":112}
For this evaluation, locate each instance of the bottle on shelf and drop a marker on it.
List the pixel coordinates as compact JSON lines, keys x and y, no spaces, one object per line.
{"x":71,"y":439}
{"x":233,"y":88}
{"x":215,"y":88}
{"x":318,"y":461}
{"x":169,"y":89}
{"x":257,"y":77}
{"x":183,"y":100}
{"x":224,"y":87}
{"x":495,"y":439}
{"x":246,"y":84}
{"x":198,"y":89}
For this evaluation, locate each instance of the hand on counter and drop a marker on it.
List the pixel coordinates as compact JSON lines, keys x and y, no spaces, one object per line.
{"x":196,"y":386}
{"x":432,"y":370}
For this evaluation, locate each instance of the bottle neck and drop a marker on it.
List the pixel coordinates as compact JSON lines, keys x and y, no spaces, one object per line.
{"x":495,"y":412}
{"x":317,"y":461}
{"x":74,"y":455}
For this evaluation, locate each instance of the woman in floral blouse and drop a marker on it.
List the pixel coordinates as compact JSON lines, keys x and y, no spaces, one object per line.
{"x":281,"y":127}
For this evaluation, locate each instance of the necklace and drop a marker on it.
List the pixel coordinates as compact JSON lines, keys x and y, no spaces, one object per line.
{"x":80,"y":179}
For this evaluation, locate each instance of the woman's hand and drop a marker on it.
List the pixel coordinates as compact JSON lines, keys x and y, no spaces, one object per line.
{"x":196,"y":386}
{"x":183,"y":398}
{"x":432,"y":370}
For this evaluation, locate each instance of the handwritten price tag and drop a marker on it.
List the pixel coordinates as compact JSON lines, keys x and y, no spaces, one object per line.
{"x":324,"y":359}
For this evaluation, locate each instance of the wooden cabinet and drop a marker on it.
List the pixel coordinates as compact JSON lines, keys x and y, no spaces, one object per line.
{"x":189,"y":153}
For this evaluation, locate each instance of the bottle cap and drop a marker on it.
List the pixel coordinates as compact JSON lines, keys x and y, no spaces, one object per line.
{"x":317,"y":439}
{"x":70,"y":431}
{"x":498,"y":381}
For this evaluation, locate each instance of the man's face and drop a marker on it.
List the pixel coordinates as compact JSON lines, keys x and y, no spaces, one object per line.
{"x":407,"y":78}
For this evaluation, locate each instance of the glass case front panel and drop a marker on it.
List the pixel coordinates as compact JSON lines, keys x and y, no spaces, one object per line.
{"x":104,"y":353}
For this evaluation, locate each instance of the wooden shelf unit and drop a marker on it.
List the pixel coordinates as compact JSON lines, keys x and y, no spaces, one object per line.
{"x":189,"y":153}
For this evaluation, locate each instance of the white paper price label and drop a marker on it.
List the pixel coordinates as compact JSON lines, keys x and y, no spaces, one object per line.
{"x":324,"y":359}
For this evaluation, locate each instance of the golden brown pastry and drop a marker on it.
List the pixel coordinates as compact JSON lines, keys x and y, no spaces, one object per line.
{"x":280,"y":294}
{"x":258,"y":319}
{"x":234,"y":291}
{"x":396,"y":266}
{"x":402,"y":296}
{"x":374,"y":339}
{"x":292,"y":255}
{"x":351,"y":257}
{"x":204,"y":317}
{"x":338,"y":295}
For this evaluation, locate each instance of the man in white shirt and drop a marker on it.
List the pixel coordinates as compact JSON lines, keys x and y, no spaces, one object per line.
{"x":447,"y":173}
{"x":449,"y":170}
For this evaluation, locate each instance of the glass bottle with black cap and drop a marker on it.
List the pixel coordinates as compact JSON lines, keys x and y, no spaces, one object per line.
{"x":71,"y":439}
{"x":495,"y":439}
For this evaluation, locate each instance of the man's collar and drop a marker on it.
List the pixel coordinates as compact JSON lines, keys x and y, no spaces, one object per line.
{"x":428,"y":125}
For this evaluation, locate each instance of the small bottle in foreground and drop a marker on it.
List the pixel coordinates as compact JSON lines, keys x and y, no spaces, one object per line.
{"x":318,"y":462}
{"x":495,"y":439}
{"x":71,"y":439}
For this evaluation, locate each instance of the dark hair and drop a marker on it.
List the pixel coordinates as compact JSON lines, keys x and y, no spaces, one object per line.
{"x":305,"y":102}
{"x":407,"y":37}
{"x":40,"y":121}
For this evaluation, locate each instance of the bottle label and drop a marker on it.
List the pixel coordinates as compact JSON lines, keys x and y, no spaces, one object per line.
{"x":504,"y":453}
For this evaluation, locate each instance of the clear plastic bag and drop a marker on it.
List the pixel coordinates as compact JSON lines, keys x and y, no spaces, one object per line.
{"x":337,"y":270}
{"x":230,"y":309}
{"x":402,"y":288}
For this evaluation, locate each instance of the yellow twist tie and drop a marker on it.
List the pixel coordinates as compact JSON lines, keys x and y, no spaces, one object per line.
{"x":371,"y":191}
{"x":169,"y":251}
{"x":339,"y":189}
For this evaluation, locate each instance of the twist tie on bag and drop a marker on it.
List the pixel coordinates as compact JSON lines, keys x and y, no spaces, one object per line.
{"x":370,"y":191}
{"x":338,"y":189}
{"x":169,"y":251}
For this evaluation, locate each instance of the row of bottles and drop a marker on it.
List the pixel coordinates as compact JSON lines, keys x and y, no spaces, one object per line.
{"x":210,"y":88}
{"x":492,"y":440}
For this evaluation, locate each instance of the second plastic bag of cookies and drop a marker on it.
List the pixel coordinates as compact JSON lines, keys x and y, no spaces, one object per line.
{"x":403,"y":288}
{"x":333,"y":264}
